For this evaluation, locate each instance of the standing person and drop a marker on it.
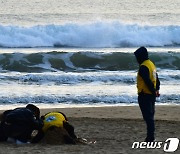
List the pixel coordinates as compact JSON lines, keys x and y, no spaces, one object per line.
{"x":148,"y":86}
{"x":19,"y":123}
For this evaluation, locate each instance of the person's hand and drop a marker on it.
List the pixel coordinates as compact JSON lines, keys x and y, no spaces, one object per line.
{"x":157,"y":93}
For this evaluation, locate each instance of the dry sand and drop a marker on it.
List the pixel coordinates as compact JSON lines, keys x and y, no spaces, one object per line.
{"x":114,"y":128}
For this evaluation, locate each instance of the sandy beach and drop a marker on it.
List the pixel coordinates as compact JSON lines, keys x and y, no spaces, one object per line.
{"x":114,"y":129}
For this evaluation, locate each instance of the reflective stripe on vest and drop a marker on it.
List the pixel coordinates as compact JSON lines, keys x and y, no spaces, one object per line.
{"x":53,"y":119}
{"x":141,"y":86}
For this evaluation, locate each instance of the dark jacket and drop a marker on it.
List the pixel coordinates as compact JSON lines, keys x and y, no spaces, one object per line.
{"x":142,"y":55}
{"x":22,"y":116}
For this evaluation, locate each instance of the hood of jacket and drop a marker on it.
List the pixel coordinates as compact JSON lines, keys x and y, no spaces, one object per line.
{"x":141,"y":54}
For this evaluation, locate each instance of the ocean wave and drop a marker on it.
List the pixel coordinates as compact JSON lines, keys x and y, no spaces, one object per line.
{"x":59,"y":78}
{"x":85,"y":100}
{"x":68,"y":99}
{"x":99,"y":34}
{"x":82,"y":61}
{"x":73,"y":78}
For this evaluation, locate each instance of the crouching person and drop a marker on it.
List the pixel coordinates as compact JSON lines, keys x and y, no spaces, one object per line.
{"x":56,"y":130}
{"x":18,"y":124}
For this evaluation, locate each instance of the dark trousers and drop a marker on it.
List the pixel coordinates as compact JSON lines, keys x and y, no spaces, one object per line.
{"x":17,"y":131}
{"x":147,"y":106}
{"x":3,"y":136}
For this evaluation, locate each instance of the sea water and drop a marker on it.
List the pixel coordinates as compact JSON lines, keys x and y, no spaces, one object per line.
{"x":80,"y":53}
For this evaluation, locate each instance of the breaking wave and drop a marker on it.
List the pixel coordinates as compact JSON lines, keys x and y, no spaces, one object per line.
{"x":82,"y":61}
{"x":99,"y":34}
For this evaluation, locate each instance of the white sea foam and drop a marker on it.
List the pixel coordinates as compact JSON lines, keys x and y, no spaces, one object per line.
{"x":101,"y":77}
{"x":83,"y":88}
{"x":100,"y":34}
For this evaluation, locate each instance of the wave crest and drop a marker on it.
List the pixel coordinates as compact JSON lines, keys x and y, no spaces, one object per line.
{"x":82,"y":61}
{"x":100,"y":34}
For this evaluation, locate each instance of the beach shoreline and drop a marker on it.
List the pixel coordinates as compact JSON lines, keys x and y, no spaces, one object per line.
{"x":114,"y":129}
{"x":163,"y":112}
